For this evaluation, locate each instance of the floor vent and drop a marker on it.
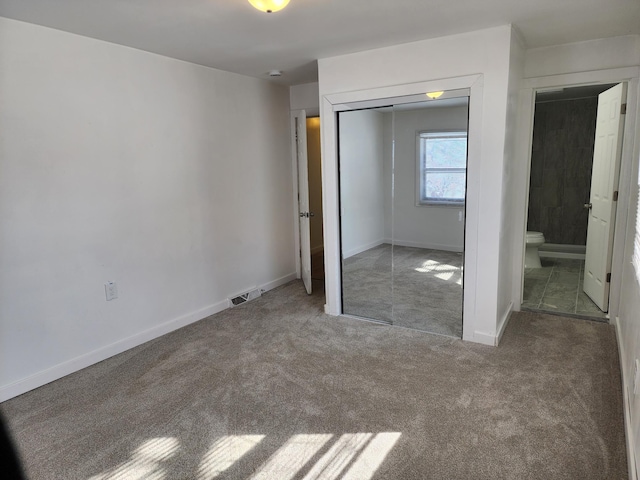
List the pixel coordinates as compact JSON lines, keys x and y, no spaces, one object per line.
{"x":245,"y":297}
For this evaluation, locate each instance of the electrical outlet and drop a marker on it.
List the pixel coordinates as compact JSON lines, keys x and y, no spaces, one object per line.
{"x":111,"y":290}
{"x":636,"y":377}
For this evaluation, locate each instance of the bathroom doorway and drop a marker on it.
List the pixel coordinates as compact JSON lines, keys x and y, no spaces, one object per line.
{"x":569,"y":171}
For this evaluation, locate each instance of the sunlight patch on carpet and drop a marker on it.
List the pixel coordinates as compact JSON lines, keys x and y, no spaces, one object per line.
{"x":146,"y":461}
{"x":224,"y":453}
{"x":443,"y":271}
{"x":353,"y":456}
{"x":292,"y":456}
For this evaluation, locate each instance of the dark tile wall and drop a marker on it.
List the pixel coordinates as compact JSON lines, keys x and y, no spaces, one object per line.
{"x":561,"y":160}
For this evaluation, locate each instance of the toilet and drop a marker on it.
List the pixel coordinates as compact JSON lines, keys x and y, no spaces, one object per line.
{"x":531,"y":256}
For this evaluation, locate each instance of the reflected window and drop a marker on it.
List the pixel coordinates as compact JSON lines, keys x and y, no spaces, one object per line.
{"x":442,"y":163}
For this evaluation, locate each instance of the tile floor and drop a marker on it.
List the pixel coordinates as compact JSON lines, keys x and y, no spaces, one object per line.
{"x":557,"y":287}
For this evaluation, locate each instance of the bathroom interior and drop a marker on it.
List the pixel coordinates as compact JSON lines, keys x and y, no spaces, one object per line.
{"x":401,"y":214}
{"x":559,"y":196}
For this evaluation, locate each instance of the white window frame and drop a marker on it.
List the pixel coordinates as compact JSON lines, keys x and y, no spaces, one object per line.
{"x":421,"y":199}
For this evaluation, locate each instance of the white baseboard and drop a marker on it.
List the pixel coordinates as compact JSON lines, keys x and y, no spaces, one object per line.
{"x":574,"y":256}
{"x":556,"y":250}
{"x":491,"y":339}
{"x":631,"y":450}
{"x":503,"y":323}
{"x":78,"y":363}
{"x":432,"y":246}
{"x":278,"y":282}
{"x":362,"y":248}
{"x":482,"y":338}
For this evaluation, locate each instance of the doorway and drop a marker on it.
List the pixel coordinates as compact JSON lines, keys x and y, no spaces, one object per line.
{"x":309,"y":211}
{"x":568,"y":174}
{"x":314,"y":179}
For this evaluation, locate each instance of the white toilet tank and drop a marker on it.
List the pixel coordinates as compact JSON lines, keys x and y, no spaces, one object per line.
{"x":531,"y":256}
{"x":535,"y":238}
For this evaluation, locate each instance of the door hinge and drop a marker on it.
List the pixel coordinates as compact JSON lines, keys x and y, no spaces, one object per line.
{"x":608,"y":278}
{"x":615,"y":196}
{"x":623,"y":109}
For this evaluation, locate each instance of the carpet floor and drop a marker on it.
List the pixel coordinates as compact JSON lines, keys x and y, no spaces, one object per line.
{"x":409,"y":287}
{"x":276,"y":389}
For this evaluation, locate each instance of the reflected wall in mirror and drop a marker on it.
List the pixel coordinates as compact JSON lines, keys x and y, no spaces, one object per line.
{"x":402,"y":198}
{"x":366,"y":258}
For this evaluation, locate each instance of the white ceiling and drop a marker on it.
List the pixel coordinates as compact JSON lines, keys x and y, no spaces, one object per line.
{"x":231,"y":35}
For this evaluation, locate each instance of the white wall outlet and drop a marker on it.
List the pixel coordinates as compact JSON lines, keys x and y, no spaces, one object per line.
{"x":111,"y":290}
{"x":636,"y":377}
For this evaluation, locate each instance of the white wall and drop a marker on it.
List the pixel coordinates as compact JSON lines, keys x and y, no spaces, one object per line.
{"x":361,"y":194}
{"x":403,"y":69}
{"x":628,"y":320}
{"x":600,"y":54}
{"x":305,"y":97}
{"x":629,"y":325}
{"x":512,"y":217}
{"x":600,"y":61}
{"x":172,"y":179}
{"x":418,"y":226}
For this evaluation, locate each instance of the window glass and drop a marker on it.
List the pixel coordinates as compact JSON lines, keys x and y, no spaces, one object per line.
{"x":442,"y":162}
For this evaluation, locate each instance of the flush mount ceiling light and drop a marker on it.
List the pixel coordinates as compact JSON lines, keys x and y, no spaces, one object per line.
{"x":269,"y":6}
{"x":434,"y":95}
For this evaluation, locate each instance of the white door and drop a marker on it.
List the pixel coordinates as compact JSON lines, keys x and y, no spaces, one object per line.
{"x":303,"y":199}
{"x":602,"y":203}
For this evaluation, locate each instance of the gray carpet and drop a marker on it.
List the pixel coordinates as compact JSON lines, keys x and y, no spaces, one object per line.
{"x":405,"y":286}
{"x":275,"y":389}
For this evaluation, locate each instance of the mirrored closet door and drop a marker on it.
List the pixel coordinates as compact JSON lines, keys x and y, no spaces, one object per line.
{"x":402,"y":201}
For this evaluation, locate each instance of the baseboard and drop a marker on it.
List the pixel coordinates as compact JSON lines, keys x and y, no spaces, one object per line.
{"x":482,"y":338}
{"x":432,"y":246}
{"x":362,"y":248}
{"x":70,"y":366}
{"x":573,"y":256}
{"x":491,"y":339}
{"x":503,"y":323}
{"x":559,"y":250}
{"x":278,"y":282}
{"x":631,"y":450}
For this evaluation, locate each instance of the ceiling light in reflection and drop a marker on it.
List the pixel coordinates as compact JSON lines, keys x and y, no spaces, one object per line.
{"x":224,"y":453}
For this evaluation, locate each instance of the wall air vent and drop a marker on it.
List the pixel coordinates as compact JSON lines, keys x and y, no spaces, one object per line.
{"x":245,"y":297}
